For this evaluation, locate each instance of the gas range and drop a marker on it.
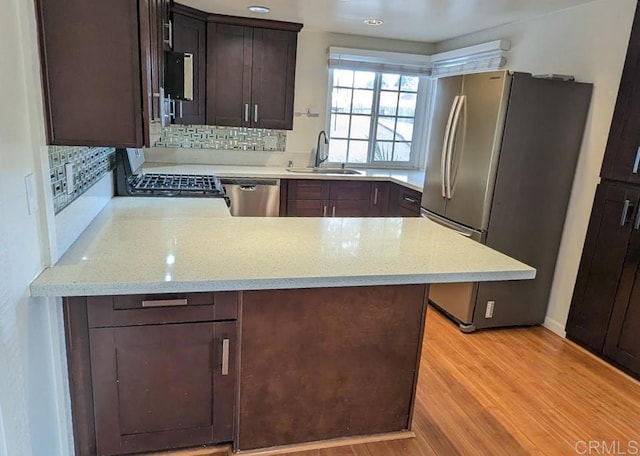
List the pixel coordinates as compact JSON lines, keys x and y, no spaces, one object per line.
{"x":151,"y":184}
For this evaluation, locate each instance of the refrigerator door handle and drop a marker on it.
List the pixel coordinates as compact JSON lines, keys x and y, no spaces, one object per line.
{"x":452,"y":140}
{"x":445,"y":145}
{"x":462,"y":230}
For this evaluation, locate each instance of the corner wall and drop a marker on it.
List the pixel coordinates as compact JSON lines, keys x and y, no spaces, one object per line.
{"x":589,"y":42}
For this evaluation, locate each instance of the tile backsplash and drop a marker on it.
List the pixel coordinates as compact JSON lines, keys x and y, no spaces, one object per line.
{"x":222,"y":138}
{"x":90,"y":164}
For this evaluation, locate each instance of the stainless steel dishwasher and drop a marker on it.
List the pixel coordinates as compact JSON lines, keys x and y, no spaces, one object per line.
{"x":253,"y":197}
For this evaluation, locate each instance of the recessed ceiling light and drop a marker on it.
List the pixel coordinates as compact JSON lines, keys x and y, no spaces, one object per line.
{"x":373,"y":21}
{"x":259,"y":9}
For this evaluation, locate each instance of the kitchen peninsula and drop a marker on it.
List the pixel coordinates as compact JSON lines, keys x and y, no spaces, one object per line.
{"x":187,"y":327}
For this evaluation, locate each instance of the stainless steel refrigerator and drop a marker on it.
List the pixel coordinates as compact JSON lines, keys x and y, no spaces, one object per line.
{"x":502,"y":154}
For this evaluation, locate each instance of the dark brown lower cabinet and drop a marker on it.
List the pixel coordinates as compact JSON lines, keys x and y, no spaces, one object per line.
{"x":605,"y":309}
{"x":327,"y":363}
{"x":148,"y":373}
{"x":622,"y":343}
{"x":404,"y":202}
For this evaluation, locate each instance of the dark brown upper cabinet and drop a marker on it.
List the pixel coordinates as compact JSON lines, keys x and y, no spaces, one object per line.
{"x":98,"y":61}
{"x":250,"y":72}
{"x":190,"y":36}
{"x":622,"y":156}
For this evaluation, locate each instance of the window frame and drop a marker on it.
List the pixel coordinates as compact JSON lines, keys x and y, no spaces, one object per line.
{"x":419,"y":135}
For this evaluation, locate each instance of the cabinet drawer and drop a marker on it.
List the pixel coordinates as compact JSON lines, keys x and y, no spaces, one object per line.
{"x":410,"y":200}
{"x":308,"y":189}
{"x":350,"y":190}
{"x":133,"y":310}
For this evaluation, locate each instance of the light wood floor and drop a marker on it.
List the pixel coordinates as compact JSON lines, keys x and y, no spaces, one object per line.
{"x":509,"y":392}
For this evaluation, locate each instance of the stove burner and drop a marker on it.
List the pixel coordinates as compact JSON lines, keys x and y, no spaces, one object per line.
{"x":176,"y":184}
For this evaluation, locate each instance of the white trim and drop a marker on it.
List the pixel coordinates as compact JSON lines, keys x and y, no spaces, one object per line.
{"x":491,"y":46}
{"x":3,"y":438}
{"x":379,"y":61}
{"x":554,"y":327}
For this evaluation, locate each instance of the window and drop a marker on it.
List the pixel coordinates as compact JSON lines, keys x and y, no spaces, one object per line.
{"x":372,"y":118}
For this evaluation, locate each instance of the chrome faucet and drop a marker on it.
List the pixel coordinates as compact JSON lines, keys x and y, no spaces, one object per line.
{"x":318,"y":160}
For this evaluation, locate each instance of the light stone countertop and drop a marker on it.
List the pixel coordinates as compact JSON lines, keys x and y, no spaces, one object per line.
{"x":162,"y":245}
{"x":413,"y":179}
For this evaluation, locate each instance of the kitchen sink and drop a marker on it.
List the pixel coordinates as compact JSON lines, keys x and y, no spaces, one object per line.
{"x":323,"y":170}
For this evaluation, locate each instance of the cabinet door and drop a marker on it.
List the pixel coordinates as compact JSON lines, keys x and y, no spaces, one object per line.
{"x":622,"y":156}
{"x":90,"y":54}
{"x":229,"y":53}
{"x":622,"y":343}
{"x":273,"y":71}
{"x":161,"y":387}
{"x":601,"y":265}
{"x":190,"y":35}
{"x":379,"y":199}
{"x":349,"y":208}
{"x":308,"y":208}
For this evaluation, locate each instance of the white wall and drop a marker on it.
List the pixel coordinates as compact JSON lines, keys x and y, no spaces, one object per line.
{"x":310,"y":94}
{"x":33,"y":396}
{"x":590,"y":42}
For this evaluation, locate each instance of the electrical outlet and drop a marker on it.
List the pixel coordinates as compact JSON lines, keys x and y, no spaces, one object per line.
{"x":68,"y":169}
{"x":270,"y":142}
{"x":488,"y":313}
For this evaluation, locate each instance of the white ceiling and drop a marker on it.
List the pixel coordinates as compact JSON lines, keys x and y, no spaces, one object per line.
{"x":415,"y":20}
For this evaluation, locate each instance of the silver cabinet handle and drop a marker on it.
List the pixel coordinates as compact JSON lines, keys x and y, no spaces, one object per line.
{"x":625,"y":210}
{"x":169,"y":27}
{"x":225,"y":356}
{"x":636,"y":224}
{"x":375,"y":196}
{"x":411,"y":200}
{"x":165,"y":303}
{"x":636,"y":164}
{"x":324,"y":211}
{"x":246,"y":112}
{"x":333,"y":212}
{"x":181,"y":110}
{"x":255,"y":113}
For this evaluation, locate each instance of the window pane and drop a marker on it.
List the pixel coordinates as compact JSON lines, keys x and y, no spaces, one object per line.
{"x":364,"y":79}
{"x":383,"y":151}
{"x":390,"y":81}
{"x":341,"y":100}
{"x":343,"y":78}
{"x":339,"y":126}
{"x":409,"y":83}
{"x":358,"y":151}
{"x":385,"y":130}
{"x":388,"y":103}
{"x":338,"y":150}
{"x":360,"y":126}
{"x":362,"y":101}
{"x":402,"y":152}
{"x":404,"y":129}
{"x":407,"y":105}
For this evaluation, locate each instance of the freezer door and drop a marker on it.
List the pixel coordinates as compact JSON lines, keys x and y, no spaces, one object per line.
{"x":444,"y":102}
{"x":456,"y":299}
{"x":475,"y":147}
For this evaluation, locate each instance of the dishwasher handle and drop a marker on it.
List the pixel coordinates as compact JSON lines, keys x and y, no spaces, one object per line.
{"x":248,"y":188}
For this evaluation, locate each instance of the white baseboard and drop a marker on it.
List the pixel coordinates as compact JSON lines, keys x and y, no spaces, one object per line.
{"x":555,"y":327}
